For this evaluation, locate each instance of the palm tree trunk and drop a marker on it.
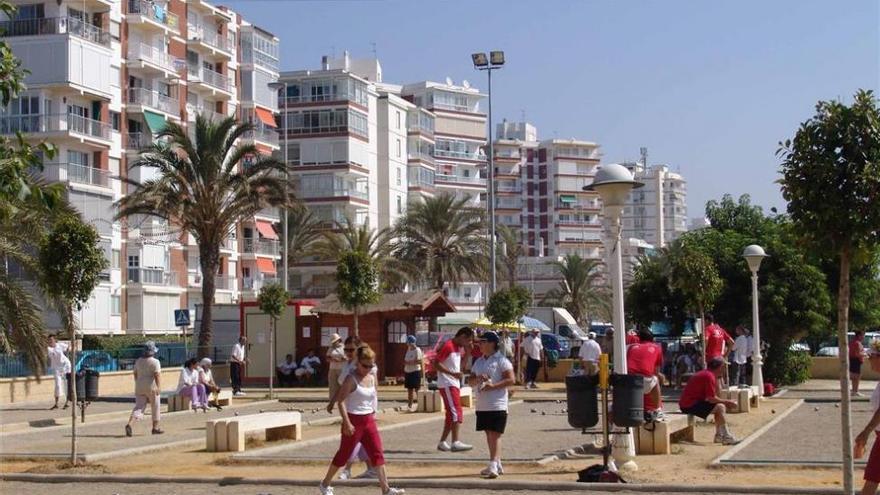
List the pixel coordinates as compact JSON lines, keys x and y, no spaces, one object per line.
{"x":71,"y":330}
{"x":356,"y":332}
{"x":272,"y":359}
{"x":843,"y":356}
{"x":209,"y":256}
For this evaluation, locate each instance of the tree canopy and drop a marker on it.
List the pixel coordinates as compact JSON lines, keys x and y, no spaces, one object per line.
{"x":508,"y":305}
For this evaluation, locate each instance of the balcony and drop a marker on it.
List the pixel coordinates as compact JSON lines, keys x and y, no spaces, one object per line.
{"x":257,"y":283}
{"x":457,"y":179}
{"x":154,"y":100}
{"x":260,"y":246}
{"x":335,"y":192}
{"x":508,"y":188}
{"x":152,"y":276}
{"x":77,"y":174}
{"x":136,"y":141}
{"x":208,"y":36}
{"x":221,"y":282}
{"x":313,"y":291}
{"x":508,"y":203}
{"x":78,"y":127}
{"x":259,"y":59}
{"x":151,"y":14}
{"x":210,"y":114}
{"x":268,"y":136}
{"x":146,"y":54}
{"x":461,"y":155}
{"x":55,"y":25}
{"x":209,"y":77}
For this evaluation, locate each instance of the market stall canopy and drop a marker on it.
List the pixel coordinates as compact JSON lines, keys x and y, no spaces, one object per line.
{"x":426,"y":303}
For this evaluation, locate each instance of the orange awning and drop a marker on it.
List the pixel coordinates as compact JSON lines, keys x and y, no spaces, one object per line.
{"x":266,"y":230}
{"x":266,"y":265}
{"x":266,"y":116}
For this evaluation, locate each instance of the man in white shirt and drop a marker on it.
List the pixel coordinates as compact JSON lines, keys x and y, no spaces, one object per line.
{"x":60,"y":369}
{"x":589,"y":355}
{"x":236,"y":364}
{"x":447,"y":362}
{"x":533,"y":348}
{"x":309,"y":365}
{"x":742,"y":350}
{"x":286,"y":371}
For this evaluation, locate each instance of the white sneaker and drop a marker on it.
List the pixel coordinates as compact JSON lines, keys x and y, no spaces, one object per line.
{"x":345,"y":474}
{"x":444,"y":446}
{"x":460,"y":446}
{"x":490,"y":472}
{"x":239,"y":393}
{"x":325,"y":490}
{"x":369,"y":474}
{"x":500,"y":468}
{"x":726,"y":439}
{"x":394,"y":491}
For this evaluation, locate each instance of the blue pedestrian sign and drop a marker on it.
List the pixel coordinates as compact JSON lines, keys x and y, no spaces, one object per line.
{"x":181,"y":317}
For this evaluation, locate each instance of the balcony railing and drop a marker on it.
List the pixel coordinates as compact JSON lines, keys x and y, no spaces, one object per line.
{"x":154,"y":12}
{"x":459,"y":179}
{"x":153,"y":55}
{"x":55,"y":25}
{"x":416,"y":181}
{"x":508,"y":188}
{"x":152,"y":276}
{"x":259,"y":58}
{"x":263,"y":135}
{"x":328,"y":192}
{"x":208,"y":36}
{"x":153,"y":99}
{"x":221,"y":282}
{"x":193,"y":110}
{"x":465,"y":155}
{"x":138,"y":140}
{"x":42,"y":123}
{"x":257,"y":283}
{"x":510,"y":203}
{"x":313,"y":291}
{"x":260,"y":246}
{"x":209,"y":77}
{"x":79,"y":174}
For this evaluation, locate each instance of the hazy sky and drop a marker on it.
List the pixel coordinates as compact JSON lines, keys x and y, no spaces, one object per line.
{"x":709,"y":87}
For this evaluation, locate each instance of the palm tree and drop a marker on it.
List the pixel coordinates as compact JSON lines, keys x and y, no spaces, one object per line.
{"x":303,"y":231}
{"x":445,"y":239}
{"x":202,"y":189}
{"x":508,"y":257}
{"x":376,"y":244}
{"x":579,"y":290}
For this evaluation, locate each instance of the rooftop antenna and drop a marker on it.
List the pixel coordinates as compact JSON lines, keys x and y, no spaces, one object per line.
{"x":643,"y":151}
{"x":522,"y":114}
{"x":375,"y":52}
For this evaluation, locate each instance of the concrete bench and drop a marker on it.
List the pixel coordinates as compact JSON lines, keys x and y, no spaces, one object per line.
{"x":229,"y":434}
{"x":745,"y":398}
{"x":430,"y":400}
{"x":657,"y":437}
{"x":182,"y":402}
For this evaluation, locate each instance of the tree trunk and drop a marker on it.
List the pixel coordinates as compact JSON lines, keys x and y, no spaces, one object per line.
{"x":272,"y":359}
{"x":703,"y":337}
{"x":209,"y":259}
{"x":843,"y":356}
{"x":71,"y":330}
{"x":356,"y":332}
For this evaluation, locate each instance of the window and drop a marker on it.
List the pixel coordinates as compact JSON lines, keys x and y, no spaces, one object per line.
{"x":114,"y":120}
{"x":398,"y":126}
{"x":396,"y":332}
{"x":115,"y":29}
{"x":115,"y":305}
{"x":467,"y":292}
{"x":398,"y":152}
{"x":78,"y":158}
{"x":399,"y":176}
{"x":134,"y":261}
{"x":115,"y":259}
{"x":32,"y":11}
{"x":399,"y":205}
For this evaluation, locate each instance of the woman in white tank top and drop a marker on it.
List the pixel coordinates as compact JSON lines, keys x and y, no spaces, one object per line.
{"x":358,"y":401}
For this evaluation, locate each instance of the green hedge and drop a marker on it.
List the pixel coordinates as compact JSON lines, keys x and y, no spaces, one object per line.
{"x":116,"y":343}
{"x":783,"y":366}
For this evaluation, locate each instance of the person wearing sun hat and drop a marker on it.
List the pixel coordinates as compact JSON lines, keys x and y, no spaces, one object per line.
{"x":147,"y":375}
{"x":336,"y":361}
{"x":872,"y":469}
{"x":491,"y":375}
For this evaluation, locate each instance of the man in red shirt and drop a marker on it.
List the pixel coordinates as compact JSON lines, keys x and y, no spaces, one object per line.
{"x":700,"y":398}
{"x":645,"y":359}
{"x":856,"y":358}
{"x":717,"y":339}
{"x":447,"y":362}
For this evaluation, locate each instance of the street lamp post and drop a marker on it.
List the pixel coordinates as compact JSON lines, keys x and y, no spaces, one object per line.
{"x":494,"y":61}
{"x":754,"y":254}
{"x":286,"y":276}
{"x":613,"y":183}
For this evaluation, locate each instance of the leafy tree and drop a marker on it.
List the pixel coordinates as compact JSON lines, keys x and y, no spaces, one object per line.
{"x":444,"y":238}
{"x":508,"y":257}
{"x":650,"y":297}
{"x":357,"y":282}
{"x":831,"y":180}
{"x":271,"y":300}
{"x":579,"y":291}
{"x":72,"y":262}
{"x":695,"y":275}
{"x":739,"y":216}
{"x":11,"y":72}
{"x":508,"y":305}
{"x":205,"y":189}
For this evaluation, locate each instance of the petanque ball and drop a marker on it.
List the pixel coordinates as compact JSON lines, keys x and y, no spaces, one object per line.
{"x":772,"y":411}
{"x":534,"y":411}
{"x":816,"y":409}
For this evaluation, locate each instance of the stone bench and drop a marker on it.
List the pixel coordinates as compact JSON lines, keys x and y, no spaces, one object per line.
{"x":229,"y":434}
{"x":182,"y":402}
{"x":745,"y":398}
{"x":430,"y":400}
{"x":657,"y":437}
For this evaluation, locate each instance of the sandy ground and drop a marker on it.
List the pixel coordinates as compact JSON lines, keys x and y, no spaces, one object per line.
{"x":689,"y":464}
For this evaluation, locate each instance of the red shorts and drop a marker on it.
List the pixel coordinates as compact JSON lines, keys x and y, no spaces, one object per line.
{"x":452,"y":402}
{"x":872,"y":470}
{"x":365,"y":433}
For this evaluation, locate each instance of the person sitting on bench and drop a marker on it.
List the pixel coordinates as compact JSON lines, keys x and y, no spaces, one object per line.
{"x":700,"y":398}
{"x":286,"y":371}
{"x":206,"y":378}
{"x":308,"y":367}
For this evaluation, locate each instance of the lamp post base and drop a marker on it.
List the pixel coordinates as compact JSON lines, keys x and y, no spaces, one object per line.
{"x":624,"y":452}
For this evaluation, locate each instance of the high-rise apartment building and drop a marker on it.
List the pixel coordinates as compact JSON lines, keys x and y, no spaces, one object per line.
{"x":106,"y":76}
{"x":657,"y":212}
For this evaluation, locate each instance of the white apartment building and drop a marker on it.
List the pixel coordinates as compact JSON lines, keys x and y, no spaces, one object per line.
{"x":656,"y":212}
{"x":105,"y":77}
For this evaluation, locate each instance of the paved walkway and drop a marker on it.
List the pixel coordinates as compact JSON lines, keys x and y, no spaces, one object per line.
{"x":39,"y":415}
{"x":810,"y":434}
{"x":534,"y":431}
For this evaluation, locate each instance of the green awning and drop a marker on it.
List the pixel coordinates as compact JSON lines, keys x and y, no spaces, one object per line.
{"x":155,"y":122}
{"x":567,"y":198}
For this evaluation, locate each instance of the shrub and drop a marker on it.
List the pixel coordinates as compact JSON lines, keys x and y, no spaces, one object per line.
{"x":783,"y":366}
{"x":115,"y":343}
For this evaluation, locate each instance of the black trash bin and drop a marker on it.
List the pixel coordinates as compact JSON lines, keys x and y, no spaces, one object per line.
{"x":583,"y":407}
{"x":628,"y":406}
{"x":80,"y":386}
{"x":91,"y":384}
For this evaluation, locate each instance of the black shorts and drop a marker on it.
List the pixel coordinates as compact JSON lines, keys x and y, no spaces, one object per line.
{"x":702,"y":409}
{"x":855,"y":366}
{"x":412,"y":380}
{"x":492,"y":421}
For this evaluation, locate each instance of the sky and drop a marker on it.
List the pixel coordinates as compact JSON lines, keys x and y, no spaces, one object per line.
{"x":710,"y":88}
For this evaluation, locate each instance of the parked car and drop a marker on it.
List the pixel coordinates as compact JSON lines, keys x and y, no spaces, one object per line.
{"x":830,"y":349}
